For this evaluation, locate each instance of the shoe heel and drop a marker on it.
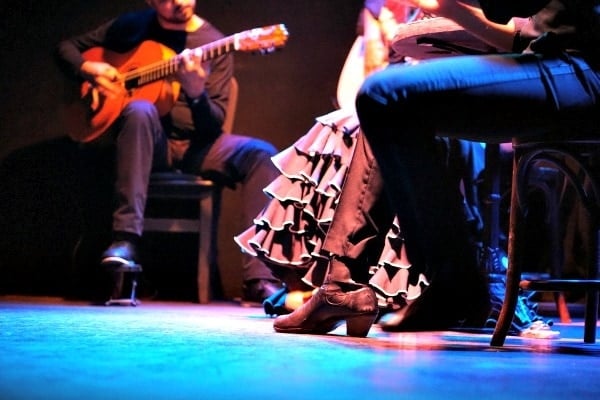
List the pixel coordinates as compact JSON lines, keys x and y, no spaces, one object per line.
{"x":360,"y":325}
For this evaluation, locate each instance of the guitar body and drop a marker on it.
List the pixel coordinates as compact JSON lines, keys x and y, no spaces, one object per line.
{"x":353,"y":72}
{"x":86,"y":122}
{"x":352,"y":75}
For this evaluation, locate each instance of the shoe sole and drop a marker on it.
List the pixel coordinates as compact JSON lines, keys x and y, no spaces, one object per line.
{"x":119,"y":262}
{"x":329,"y":326}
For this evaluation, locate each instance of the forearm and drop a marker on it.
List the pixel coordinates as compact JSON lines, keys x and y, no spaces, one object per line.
{"x":469,"y":15}
{"x":502,"y":11}
{"x":69,"y":51}
{"x":69,"y":58}
{"x":493,"y":21}
{"x":472,"y":18}
{"x":208,"y":109}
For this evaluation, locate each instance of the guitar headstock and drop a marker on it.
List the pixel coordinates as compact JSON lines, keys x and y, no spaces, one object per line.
{"x":263,"y":40}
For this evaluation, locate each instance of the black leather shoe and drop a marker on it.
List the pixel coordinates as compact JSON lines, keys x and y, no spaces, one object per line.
{"x":437,"y":310}
{"x":255,"y":291}
{"x":121,"y":253}
{"x":329,"y":308}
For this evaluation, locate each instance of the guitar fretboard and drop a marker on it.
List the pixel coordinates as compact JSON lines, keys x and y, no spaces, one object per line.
{"x":162,"y":69}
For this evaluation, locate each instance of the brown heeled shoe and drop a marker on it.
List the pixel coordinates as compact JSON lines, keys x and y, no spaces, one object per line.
{"x":442,"y":307}
{"x":328,"y":308}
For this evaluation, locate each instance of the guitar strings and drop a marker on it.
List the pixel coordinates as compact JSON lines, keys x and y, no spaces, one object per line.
{"x":163,"y":68}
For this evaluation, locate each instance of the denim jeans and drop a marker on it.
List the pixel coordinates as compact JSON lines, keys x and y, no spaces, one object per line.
{"x":395,"y":169}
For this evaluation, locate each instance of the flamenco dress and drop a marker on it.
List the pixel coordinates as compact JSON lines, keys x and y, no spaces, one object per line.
{"x":289,"y":232}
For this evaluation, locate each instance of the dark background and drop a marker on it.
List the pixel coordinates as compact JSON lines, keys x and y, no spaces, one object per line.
{"x":40,"y":206}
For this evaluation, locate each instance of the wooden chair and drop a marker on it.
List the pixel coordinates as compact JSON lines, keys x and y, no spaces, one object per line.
{"x":578,"y":160}
{"x":176,"y":186}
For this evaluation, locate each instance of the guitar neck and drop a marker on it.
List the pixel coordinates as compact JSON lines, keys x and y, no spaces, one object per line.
{"x":265,"y":39}
{"x":162,"y":69}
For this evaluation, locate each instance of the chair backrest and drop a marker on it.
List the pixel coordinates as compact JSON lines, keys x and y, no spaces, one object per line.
{"x":231,"y":106}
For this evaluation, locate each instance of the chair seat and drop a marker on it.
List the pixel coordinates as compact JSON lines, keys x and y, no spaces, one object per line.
{"x":177,"y":185}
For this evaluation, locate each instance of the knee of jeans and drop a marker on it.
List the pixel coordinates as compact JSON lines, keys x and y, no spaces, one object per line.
{"x":371,"y":88}
{"x":261,"y":148}
{"x":142,"y":110}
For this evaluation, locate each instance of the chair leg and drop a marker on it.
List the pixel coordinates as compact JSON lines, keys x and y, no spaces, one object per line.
{"x":208,"y":278}
{"x":592,"y":297}
{"x":134,"y":284}
{"x":591,"y":316}
{"x":513,"y":273}
{"x":204,"y":249}
{"x":118,"y":280}
{"x":556,"y":255}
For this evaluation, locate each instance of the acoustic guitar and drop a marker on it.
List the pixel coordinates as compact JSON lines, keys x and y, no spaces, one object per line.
{"x":353,"y":70}
{"x":145,"y":73}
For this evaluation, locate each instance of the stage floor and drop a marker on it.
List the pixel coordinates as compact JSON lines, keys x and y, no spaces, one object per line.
{"x":56,"y":349}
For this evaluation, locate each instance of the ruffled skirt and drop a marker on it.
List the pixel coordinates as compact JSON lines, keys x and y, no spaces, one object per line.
{"x":290,"y":230}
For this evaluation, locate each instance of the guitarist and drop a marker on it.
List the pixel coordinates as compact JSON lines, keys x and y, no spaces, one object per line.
{"x":378,"y":23}
{"x":187,"y":137}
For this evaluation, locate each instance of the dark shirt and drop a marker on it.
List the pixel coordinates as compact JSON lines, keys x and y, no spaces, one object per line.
{"x":199,"y":120}
{"x":561,"y":25}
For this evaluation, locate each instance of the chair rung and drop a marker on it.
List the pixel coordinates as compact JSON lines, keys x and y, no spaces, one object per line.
{"x":558,"y":285}
{"x":173,"y":185}
{"x":182,"y":192}
{"x":535,"y":276}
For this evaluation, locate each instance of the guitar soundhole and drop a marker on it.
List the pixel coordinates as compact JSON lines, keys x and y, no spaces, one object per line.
{"x":131,"y":84}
